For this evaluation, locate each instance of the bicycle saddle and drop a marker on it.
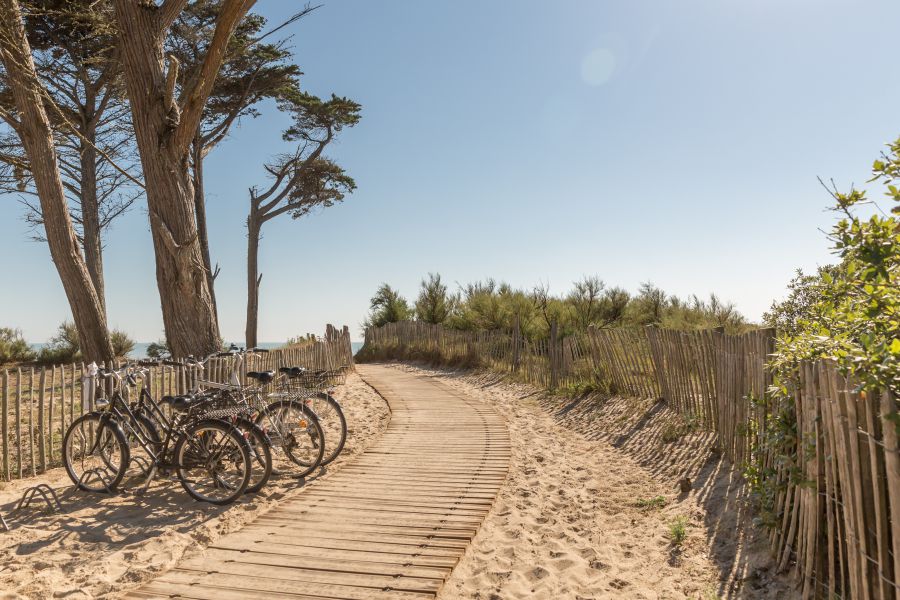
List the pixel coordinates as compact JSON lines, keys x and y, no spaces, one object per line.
{"x":261,"y":376}
{"x":179,"y":403}
{"x":293,"y":371}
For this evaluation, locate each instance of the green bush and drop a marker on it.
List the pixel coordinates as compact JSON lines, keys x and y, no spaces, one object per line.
{"x":122,"y":344}
{"x":57,"y":355}
{"x":678,"y":530}
{"x":387,"y":306}
{"x":657,"y":502}
{"x":13,"y":347}
{"x":848,"y":313}
{"x":300,"y":341}
{"x":491,"y":306}
{"x":64,"y":347}
{"x":158,"y":349}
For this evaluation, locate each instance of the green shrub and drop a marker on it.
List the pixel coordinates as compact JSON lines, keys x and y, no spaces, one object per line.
{"x":13,"y":347}
{"x":56,"y":355}
{"x":434,"y":304}
{"x":122,"y":344}
{"x":158,"y":349}
{"x":656,"y":503}
{"x":490,"y":305}
{"x":678,"y":530}
{"x":300,"y":341}
{"x":847,"y":313}
{"x":387,"y":306}
{"x":64,"y":347}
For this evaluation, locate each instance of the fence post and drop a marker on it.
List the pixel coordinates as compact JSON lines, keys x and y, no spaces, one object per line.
{"x":42,"y":437}
{"x":5,"y":430}
{"x":656,"y":359}
{"x":554,"y":363}
{"x":517,"y":342}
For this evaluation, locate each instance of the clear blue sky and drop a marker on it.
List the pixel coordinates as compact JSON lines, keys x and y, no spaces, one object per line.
{"x":676,"y":142}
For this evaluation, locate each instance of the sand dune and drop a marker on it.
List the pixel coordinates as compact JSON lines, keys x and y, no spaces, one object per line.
{"x":104,"y":545}
{"x":586,"y":512}
{"x":582,"y":519}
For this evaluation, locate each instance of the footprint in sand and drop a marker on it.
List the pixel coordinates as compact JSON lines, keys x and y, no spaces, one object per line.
{"x":619,"y":584}
{"x":499,"y":576}
{"x":599,"y":565}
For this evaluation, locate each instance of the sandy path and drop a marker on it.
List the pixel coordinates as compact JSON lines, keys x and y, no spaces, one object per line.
{"x":102,"y":546}
{"x":568,"y":523}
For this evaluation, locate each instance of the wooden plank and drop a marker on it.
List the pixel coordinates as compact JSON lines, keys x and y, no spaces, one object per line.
{"x":419,"y":547}
{"x":890,"y":426}
{"x":427,"y":539}
{"x":210,"y":591}
{"x":318,"y":569}
{"x":408,"y":557}
{"x":41,"y":429}
{"x":19,"y":422}
{"x":50,"y":413}
{"x":255,"y":578}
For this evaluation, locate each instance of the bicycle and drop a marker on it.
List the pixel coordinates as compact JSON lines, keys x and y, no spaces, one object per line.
{"x":210,"y":457}
{"x":294,"y":433}
{"x":314,"y":388}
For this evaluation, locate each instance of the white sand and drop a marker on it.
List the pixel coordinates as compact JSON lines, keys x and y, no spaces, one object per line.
{"x":103,"y":545}
{"x":568,"y":523}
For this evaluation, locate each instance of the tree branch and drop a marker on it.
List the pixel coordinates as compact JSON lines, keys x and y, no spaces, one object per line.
{"x":230,"y":15}
{"x":298,"y":171}
{"x":174,"y":116}
{"x":169,"y":11}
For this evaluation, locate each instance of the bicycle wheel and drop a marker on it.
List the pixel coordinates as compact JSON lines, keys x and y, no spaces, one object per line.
{"x":333,"y":422}
{"x":260,"y":454}
{"x":95,"y":453}
{"x":141,"y":458}
{"x":213,"y":462}
{"x":297,"y":438}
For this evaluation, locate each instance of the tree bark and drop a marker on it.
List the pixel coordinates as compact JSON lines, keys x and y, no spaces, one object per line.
{"x":254,"y":224}
{"x":163,"y":133}
{"x":200,"y":212}
{"x":37,"y":138}
{"x":90,"y":219}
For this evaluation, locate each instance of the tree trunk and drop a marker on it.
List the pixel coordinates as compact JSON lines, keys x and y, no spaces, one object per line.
{"x":187,"y":306}
{"x":200,"y":212}
{"x":254,"y":224}
{"x":90,"y":217}
{"x":37,"y":138}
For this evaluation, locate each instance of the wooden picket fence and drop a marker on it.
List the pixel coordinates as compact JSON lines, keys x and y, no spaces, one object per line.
{"x":837,"y":484}
{"x":38,"y":404}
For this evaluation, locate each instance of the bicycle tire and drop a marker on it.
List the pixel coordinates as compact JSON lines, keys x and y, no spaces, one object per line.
{"x":286,"y":442}
{"x":237,"y":449}
{"x":334,"y":423}
{"x":260,"y":454}
{"x":105,"y":425}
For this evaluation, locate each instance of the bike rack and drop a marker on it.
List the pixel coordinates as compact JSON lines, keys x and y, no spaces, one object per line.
{"x":89,"y":475}
{"x":142,"y":462}
{"x":46,"y":493}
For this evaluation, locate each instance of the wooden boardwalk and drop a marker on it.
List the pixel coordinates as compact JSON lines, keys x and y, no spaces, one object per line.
{"x":389,"y":525}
